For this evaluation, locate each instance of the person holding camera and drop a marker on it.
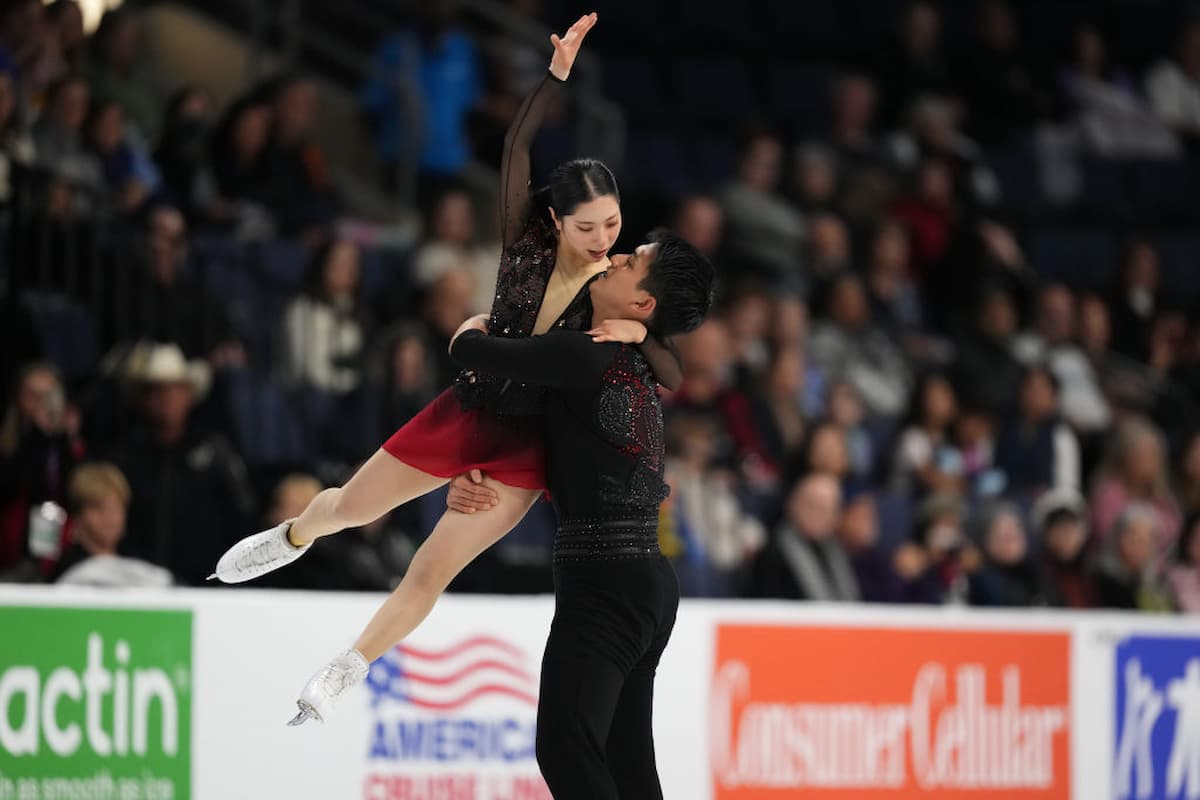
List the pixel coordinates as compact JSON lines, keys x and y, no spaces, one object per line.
{"x":39,"y":446}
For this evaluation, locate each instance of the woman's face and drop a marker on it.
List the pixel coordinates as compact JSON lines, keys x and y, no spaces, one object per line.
{"x":940,"y":404}
{"x":409,"y":364}
{"x":944,"y":535}
{"x":108,"y":129}
{"x":845,"y":406}
{"x":789,"y":322}
{"x":591,"y":229}
{"x":1136,"y":546}
{"x":1006,"y":543}
{"x":816,"y":179}
{"x":890,"y":251}
{"x":935,"y":184}
{"x":341,"y":270}
{"x":1142,"y":268}
{"x":39,"y":391}
{"x":786,"y":376}
{"x":858,"y":528}
{"x":70,"y":105}
{"x":251,"y":130}
{"x":750,"y":317}
{"x":454,"y":221}
{"x":829,"y":451}
{"x":1065,"y":538}
{"x":1143,"y":461}
{"x":1094,"y":328}
{"x":1038,"y":400}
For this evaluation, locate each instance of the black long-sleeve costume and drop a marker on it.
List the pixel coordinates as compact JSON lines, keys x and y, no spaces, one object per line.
{"x":615,"y":595}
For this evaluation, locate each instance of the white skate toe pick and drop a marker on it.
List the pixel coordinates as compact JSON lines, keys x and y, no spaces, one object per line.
{"x":258,"y":554}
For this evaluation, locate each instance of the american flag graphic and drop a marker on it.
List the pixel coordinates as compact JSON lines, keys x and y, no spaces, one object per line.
{"x":451,"y":677}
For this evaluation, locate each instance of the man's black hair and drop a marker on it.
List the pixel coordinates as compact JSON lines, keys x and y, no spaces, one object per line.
{"x":683,"y":283}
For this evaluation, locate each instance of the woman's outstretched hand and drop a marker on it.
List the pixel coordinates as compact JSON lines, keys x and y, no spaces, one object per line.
{"x":567,"y":47}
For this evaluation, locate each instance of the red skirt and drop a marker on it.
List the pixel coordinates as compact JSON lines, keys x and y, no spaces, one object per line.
{"x":447,"y":440}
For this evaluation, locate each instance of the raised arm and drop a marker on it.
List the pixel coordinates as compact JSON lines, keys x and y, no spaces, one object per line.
{"x":514,"y":165}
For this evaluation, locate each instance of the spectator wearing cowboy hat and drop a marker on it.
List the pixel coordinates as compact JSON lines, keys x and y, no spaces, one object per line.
{"x":191,"y":492}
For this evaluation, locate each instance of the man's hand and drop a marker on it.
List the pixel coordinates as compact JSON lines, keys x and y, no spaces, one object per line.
{"x":628,"y":331}
{"x":479,"y":322}
{"x":470,"y":492}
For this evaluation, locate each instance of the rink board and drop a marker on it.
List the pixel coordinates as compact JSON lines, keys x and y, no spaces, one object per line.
{"x":184,"y":694}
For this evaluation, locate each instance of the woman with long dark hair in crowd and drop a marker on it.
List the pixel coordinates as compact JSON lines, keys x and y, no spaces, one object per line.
{"x":325,"y":326}
{"x":554,"y":246}
{"x":926,"y":459}
{"x":39,"y":445}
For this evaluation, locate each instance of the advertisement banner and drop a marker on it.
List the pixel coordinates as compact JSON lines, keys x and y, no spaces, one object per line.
{"x":454,"y":720}
{"x":1156,"y":754}
{"x":95,"y":704}
{"x":859,"y":713}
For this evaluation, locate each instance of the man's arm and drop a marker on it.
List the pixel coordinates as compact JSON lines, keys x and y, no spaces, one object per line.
{"x":560,"y":360}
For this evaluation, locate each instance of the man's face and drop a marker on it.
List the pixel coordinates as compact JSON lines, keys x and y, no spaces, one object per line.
{"x":617,"y":294}
{"x":167,"y":242}
{"x":168,"y":404}
{"x":1056,"y":319}
{"x":814,"y":507}
{"x":700,"y":223}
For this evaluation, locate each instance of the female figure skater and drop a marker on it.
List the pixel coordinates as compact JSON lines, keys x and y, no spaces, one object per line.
{"x":484,"y":423}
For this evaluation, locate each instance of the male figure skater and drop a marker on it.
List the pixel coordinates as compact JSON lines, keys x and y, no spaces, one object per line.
{"x":615,"y":594}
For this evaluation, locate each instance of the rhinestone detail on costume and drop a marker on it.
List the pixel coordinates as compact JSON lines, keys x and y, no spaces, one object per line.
{"x":630,"y":416}
{"x":605,"y":539}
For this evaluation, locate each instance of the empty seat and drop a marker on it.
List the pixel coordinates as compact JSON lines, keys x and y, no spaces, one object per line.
{"x":1082,"y":258}
{"x":265,"y":422}
{"x":636,"y":86}
{"x":710,"y":89}
{"x":657,"y":161}
{"x":67,"y":331}
{"x":282,"y":263}
{"x":798,"y":94}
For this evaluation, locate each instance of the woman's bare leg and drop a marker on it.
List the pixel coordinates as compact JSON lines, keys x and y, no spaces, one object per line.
{"x":455,"y":542}
{"x":379,"y":485}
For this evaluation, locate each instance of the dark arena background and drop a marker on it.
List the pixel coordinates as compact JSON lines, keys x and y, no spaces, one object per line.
{"x":934,"y":464}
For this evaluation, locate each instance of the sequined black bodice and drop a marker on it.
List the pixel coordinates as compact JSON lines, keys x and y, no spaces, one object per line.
{"x":603,"y":433}
{"x":525,"y":269}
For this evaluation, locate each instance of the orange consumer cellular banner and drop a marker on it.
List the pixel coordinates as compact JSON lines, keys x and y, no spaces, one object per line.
{"x":863,"y":713}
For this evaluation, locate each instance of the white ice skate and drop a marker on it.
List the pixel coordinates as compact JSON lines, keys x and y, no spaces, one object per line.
{"x":257,"y":555}
{"x":323,"y":690}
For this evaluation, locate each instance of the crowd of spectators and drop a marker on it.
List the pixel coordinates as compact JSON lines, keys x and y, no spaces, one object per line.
{"x":891,"y":402}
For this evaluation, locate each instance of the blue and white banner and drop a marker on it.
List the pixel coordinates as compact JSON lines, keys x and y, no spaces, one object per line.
{"x":1156,"y":753}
